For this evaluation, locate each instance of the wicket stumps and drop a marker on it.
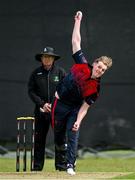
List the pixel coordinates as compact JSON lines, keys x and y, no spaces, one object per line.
{"x":23,"y":121}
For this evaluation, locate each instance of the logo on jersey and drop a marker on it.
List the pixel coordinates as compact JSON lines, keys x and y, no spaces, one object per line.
{"x":56,"y":79}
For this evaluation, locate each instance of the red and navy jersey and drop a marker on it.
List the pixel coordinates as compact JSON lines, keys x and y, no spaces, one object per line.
{"x":78,"y":86}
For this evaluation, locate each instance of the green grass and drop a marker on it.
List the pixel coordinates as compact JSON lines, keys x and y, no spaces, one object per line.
{"x":86,"y":165}
{"x":83,"y":165}
{"x":106,"y":165}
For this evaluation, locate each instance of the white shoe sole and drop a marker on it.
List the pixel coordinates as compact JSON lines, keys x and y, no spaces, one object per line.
{"x":71,"y":171}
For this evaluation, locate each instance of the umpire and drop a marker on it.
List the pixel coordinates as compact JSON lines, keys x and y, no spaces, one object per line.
{"x":41,"y":87}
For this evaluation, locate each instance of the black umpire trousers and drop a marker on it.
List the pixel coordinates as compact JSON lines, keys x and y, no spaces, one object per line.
{"x":42,"y":124}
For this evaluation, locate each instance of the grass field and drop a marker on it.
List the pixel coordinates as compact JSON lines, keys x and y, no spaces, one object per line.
{"x":88,"y":168}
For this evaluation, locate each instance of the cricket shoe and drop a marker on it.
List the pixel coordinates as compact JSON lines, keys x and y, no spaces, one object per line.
{"x":71,"y":171}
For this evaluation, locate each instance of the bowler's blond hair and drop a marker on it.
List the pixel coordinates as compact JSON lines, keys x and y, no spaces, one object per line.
{"x":106,"y":60}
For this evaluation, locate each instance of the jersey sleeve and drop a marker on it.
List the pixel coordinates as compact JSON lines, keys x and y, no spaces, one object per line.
{"x":79,"y":58}
{"x":91,"y":99}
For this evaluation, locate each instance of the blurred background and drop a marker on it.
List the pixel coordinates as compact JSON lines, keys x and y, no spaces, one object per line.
{"x":108,"y":28}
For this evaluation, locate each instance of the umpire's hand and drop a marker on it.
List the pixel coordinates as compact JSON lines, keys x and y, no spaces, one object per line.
{"x":47,"y":107}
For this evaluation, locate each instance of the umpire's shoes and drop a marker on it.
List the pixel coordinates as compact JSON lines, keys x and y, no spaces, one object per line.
{"x":61,"y":167}
{"x":37,"y":168}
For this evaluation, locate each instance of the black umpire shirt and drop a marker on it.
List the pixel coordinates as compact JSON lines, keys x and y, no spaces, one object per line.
{"x":42,"y":84}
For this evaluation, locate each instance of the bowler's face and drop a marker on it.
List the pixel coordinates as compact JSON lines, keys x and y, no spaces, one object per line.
{"x":47,"y":61}
{"x":99,"y":69}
